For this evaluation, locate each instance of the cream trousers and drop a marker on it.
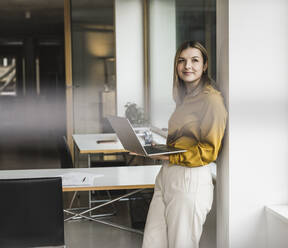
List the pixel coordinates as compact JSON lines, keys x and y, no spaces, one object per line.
{"x":182,"y":198}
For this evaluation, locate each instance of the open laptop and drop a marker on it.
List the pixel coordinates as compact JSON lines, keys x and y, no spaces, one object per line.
{"x":131,"y":142}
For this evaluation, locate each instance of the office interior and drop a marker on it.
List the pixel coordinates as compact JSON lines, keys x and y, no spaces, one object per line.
{"x":71,"y":63}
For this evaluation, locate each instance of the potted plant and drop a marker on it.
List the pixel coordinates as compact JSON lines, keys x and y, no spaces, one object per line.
{"x":135,"y":114}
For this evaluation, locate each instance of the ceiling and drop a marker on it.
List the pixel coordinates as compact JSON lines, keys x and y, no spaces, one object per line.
{"x":46,"y":17}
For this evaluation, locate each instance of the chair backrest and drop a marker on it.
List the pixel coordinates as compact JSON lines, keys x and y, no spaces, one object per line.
{"x":31,"y":212}
{"x":64,"y":153}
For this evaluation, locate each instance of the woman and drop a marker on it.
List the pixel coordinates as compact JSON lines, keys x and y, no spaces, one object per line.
{"x":183,"y":190}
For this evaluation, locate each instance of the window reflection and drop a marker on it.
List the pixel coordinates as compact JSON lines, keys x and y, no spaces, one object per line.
{"x":196,"y":20}
{"x":8,"y":76}
{"x":93,"y":52}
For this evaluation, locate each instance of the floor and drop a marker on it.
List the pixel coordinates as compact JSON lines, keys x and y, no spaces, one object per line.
{"x":90,"y":234}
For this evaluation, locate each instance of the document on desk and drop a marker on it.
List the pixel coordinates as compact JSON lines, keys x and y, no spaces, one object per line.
{"x":79,"y":179}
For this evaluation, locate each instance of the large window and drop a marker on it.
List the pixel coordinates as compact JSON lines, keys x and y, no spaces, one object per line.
{"x":196,"y":20}
{"x":171,"y":22}
{"x":93,"y":53}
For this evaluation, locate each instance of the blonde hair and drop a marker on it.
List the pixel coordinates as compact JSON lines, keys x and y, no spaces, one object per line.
{"x":179,"y":88}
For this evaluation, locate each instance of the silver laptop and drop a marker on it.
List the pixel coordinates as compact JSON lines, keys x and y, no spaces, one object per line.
{"x":131,"y":142}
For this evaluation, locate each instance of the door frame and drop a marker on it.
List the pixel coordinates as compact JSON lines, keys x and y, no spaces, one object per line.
{"x":68,"y":75}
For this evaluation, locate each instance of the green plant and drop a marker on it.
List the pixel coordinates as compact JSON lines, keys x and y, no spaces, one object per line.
{"x":135,"y":114}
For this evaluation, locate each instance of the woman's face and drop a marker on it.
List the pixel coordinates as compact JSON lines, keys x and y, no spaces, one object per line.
{"x":190,"y":65}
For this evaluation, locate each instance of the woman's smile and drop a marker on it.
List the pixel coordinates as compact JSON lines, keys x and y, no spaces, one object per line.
{"x":188,"y":72}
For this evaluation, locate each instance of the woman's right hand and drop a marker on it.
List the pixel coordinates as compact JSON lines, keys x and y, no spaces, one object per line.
{"x":135,"y":154}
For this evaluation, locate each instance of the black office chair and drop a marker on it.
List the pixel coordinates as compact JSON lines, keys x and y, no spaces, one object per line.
{"x":31,"y":213}
{"x":64,"y":153}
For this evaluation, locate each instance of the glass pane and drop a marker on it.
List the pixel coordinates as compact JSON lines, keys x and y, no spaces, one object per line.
{"x":171,"y":22}
{"x":196,"y":20}
{"x":162,"y":47}
{"x":93,"y":56}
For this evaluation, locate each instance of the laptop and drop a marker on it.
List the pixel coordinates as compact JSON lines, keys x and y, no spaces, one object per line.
{"x":131,"y":142}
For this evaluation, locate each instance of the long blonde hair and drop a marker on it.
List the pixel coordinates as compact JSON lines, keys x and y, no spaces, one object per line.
{"x":179,"y":88}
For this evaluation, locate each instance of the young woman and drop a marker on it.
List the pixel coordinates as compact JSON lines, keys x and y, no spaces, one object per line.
{"x":183,"y":190}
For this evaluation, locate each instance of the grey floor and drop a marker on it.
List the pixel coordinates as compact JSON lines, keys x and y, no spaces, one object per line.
{"x":88,"y":234}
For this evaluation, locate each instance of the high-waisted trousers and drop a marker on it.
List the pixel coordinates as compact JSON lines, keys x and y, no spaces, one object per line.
{"x":182,"y":198}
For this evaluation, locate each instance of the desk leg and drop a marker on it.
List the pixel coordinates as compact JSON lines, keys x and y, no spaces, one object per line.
{"x":90,"y":196}
{"x":128,"y":162}
{"x":76,"y":156}
{"x":82,"y":214}
{"x":109,"y":223}
{"x":89,"y":160}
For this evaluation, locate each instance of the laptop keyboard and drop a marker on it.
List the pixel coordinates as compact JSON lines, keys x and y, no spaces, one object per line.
{"x":153,"y":149}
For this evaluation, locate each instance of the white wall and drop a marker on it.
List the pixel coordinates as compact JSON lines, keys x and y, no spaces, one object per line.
{"x":129,"y":53}
{"x":162,"y":42}
{"x":258,"y":112}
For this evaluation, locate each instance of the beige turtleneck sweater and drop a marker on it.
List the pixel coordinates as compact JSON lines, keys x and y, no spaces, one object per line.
{"x":198,"y":126}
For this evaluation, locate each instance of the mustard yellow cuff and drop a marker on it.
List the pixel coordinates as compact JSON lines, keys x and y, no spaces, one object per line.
{"x":174,"y":158}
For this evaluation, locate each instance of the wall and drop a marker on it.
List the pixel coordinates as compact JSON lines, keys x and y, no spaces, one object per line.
{"x":258,"y":125}
{"x":162,"y":42}
{"x":129,"y":53}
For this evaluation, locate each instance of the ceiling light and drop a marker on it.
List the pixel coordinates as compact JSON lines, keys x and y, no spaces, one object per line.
{"x":27,"y":14}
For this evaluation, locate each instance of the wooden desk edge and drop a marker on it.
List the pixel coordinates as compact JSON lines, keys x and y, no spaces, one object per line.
{"x":89,"y":188}
{"x":102,"y":151}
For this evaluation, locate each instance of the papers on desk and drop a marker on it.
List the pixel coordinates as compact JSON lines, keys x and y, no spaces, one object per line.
{"x":78,"y":179}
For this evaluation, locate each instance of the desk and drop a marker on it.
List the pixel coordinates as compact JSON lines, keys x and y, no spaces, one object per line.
{"x":87,"y":144}
{"x":111,"y":178}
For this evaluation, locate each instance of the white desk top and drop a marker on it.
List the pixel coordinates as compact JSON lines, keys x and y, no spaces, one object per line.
{"x":106,"y":178}
{"x":87,"y":143}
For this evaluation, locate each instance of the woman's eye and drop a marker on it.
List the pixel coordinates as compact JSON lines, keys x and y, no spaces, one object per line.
{"x":195,"y":60}
{"x":181,"y":60}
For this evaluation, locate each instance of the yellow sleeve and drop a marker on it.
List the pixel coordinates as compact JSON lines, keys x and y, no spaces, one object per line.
{"x":212,"y":127}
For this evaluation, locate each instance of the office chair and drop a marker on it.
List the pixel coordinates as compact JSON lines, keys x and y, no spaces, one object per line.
{"x":31,"y":212}
{"x":64,"y":153}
